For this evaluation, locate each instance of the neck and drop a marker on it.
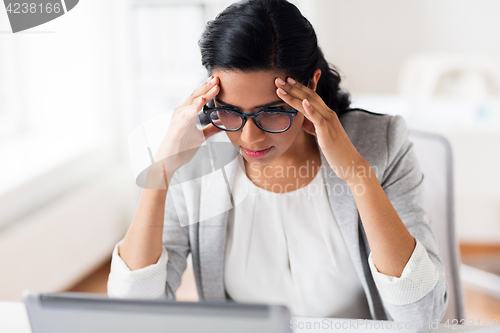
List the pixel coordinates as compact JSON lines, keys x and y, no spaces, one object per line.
{"x":303,"y":148}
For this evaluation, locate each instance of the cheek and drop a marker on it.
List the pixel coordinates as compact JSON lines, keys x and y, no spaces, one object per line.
{"x":296,"y":125}
{"x":233,"y":136}
{"x":287,"y":138}
{"x":298,"y":120}
{"x":296,"y":128}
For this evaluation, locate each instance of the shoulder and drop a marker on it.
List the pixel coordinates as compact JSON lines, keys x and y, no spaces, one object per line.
{"x":363,"y":124}
{"x":356,"y":120}
{"x":378,"y":137}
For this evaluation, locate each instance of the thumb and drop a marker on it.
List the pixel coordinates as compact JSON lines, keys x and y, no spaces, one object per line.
{"x":210,"y":130}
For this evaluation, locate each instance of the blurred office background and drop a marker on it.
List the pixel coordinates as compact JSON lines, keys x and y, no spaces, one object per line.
{"x":72,"y":90}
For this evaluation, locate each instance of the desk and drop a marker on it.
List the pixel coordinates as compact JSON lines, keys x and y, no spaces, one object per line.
{"x":13,"y":319}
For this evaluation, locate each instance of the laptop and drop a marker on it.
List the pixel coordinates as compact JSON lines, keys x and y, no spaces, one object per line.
{"x":71,"y":312}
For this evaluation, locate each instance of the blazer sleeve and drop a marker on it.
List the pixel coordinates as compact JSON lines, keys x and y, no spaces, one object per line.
{"x":402,"y":182}
{"x":175,"y":240}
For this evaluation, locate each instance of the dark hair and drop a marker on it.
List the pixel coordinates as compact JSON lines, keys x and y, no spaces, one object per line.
{"x":253,"y":35}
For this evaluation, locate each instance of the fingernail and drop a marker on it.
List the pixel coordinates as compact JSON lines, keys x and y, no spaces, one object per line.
{"x":307,"y":102}
{"x":280,"y":81}
{"x":281,"y":91}
{"x":213,"y":80}
{"x":209,"y":79}
{"x":291,"y":81}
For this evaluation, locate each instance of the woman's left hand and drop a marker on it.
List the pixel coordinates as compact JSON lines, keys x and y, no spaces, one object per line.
{"x":322,"y":122}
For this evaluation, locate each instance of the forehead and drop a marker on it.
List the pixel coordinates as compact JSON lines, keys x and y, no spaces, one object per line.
{"x":248,"y":89}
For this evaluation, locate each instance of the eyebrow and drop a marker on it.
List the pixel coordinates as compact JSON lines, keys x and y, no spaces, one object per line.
{"x":256,"y":107}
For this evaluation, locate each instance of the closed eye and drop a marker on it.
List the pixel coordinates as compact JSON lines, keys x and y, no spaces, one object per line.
{"x":273,"y":114}
{"x":282,"y":108}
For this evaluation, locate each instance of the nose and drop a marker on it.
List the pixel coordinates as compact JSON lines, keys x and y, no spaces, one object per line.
{"x":251,"y":134}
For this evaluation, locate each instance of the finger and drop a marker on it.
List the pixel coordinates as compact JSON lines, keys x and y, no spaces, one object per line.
{"x":308,"y":124}
{"x":290,"y":100}
{"x":202,"y":100}
{"x":197,"y":92}
{"x":210,"y":94}
{"x":287,"y":97}
{"x":202,"y":90}
{"x":187,"y":116}
{"x":296,"y":93}
{"x":294,"y":88}
{"x":211,"y":81}
{"x":315,"y":117}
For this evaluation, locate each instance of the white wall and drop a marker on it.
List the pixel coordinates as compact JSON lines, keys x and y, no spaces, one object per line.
{"x":368,"y":40}
{"x":53,"y":248}
{"x":76,"y":75}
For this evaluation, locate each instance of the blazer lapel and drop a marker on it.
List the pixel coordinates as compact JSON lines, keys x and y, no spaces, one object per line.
{"x":215,"y":203}
{"x":346,"y":214}
{"x":345,"y":211}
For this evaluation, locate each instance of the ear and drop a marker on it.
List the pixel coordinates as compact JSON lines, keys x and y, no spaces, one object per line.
{"x":315,"y":78}
{"x":308,"y":126}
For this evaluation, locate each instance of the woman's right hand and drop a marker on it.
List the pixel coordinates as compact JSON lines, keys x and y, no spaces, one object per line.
{"x":183,"y":138}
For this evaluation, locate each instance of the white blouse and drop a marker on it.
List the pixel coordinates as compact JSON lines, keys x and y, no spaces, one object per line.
{"x":287,"y":248}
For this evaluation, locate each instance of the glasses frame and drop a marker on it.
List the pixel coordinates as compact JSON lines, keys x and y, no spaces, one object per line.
{"x":290,"y":113}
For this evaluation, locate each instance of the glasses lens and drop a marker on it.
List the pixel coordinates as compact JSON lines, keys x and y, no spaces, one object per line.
{"x":226,"y":119}
{"x":273,"y":121}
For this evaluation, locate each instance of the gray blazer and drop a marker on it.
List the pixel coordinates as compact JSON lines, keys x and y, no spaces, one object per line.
{"x":381,"y":139}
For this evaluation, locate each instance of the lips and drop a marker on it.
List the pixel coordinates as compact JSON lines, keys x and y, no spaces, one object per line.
{"x":256,"y":153}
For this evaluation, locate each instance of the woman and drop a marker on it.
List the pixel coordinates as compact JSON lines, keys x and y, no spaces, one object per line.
{"x":358,"y":246}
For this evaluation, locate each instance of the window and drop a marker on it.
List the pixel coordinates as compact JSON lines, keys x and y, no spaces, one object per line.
{"x":167,"y":54}
{"x":168,"y":64}
{"x":9,"y":88}
{"x":168,"y":57}
{"x":58,"y":107}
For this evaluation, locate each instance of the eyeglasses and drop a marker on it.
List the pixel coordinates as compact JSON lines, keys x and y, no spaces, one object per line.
{"x":272,"y":120}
